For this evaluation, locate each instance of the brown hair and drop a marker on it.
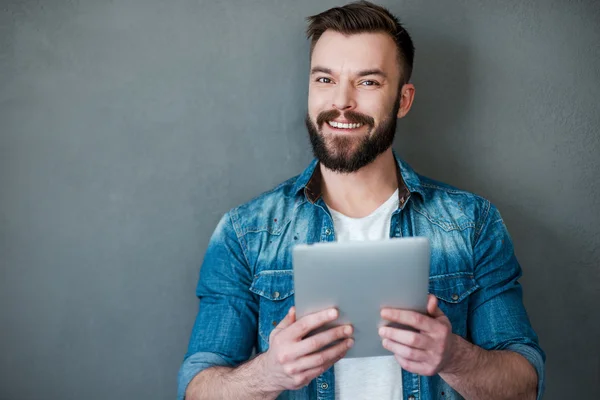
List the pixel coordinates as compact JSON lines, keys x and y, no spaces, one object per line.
{"x":362,"y":17}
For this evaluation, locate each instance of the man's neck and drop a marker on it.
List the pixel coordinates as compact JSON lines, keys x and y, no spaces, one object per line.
{"x":360,"y":193}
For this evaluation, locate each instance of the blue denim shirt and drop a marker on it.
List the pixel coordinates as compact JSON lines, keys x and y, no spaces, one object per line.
{"x":246,"y":281}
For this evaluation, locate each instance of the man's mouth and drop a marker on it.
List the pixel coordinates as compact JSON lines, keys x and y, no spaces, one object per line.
{"x":343,"y":125}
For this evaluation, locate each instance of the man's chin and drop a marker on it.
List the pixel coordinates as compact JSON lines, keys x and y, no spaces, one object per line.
{"x":343,"y":155}
{"x":340,"y":166}
{"x":339,"y":144}
{"x":340,"y":162}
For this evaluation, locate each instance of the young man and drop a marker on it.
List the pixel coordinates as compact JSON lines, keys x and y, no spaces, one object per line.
{"x":476,"y":341}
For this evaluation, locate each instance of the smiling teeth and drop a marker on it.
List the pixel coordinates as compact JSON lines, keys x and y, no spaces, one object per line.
{"x":344,"y":126}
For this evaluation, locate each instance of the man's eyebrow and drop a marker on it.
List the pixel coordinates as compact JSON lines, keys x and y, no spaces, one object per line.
{"x":374,"y":71}
{"x":318,"y":69}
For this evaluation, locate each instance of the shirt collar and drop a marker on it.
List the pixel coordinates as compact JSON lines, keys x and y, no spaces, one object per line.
{"x":310,"y":181}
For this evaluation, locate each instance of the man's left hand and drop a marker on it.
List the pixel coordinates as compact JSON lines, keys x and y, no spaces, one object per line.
{"x":426,"y":352}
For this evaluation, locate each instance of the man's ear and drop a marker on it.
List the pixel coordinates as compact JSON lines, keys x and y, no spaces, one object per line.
{"x":407,"y":95}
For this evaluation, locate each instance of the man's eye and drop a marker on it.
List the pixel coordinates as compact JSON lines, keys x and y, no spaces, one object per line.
{"x":323,"y":80}
{"x":369,"y":83}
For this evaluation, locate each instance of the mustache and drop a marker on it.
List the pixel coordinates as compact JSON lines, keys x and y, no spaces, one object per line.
{"x":352,"y":117}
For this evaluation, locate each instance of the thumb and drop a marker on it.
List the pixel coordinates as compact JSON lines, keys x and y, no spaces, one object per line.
{"x":432,"y":307}
{"x":289,"y":319}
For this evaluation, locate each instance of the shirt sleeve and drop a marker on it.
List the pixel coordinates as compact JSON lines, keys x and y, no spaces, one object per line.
{"x":224,"y":331}
{"x":497,"y":316}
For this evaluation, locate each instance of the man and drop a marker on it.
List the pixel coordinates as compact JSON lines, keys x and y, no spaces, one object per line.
{"x":476,"y":341}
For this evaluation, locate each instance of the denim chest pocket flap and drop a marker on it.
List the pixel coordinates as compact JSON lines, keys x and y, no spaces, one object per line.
{"x":453,"y":290}
{"x":275,"y":285}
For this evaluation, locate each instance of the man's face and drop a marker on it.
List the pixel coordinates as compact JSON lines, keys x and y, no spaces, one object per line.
{"x":353,"y":98}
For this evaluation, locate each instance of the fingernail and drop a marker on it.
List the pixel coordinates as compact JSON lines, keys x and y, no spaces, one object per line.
{"x":333,"y":313}
{"x":382,"y":331}
{"x":350,"y":343}
{"x":347,"y":330}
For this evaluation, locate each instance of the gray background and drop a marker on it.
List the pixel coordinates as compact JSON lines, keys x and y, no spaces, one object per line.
{"x":127,"y":128}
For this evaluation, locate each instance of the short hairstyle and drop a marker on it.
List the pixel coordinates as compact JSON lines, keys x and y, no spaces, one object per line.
{"x":363,"y":17}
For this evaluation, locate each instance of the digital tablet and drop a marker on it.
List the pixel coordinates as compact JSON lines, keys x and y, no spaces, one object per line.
{"x":360,"y":278}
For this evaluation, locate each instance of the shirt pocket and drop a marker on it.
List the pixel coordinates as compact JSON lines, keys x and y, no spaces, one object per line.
{"x":275,"y":289}
{"x":453,"y":291}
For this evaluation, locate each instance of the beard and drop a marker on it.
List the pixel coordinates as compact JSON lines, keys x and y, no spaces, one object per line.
{"x":345,"y":153}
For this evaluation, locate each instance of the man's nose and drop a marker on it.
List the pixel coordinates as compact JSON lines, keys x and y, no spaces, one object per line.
{"x":343,"y":98}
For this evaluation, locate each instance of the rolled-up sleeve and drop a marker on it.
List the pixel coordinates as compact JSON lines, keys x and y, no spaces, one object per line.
{"x":192,"y":366}
{"x":497,"y":317}
{"x":535,"y":356}
{"x":224,"y":332}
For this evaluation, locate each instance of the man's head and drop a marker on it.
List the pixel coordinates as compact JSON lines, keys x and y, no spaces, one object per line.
{"x":361,"y":62}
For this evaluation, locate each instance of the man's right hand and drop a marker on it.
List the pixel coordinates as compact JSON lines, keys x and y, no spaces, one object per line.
{"x":292,"y":361}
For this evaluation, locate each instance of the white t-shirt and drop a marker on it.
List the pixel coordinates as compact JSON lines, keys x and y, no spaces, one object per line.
{"x":367,"y":377}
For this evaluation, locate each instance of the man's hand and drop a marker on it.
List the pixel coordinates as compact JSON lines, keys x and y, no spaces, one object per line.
{"x":426,"y":352}
{"x":291,"y":361}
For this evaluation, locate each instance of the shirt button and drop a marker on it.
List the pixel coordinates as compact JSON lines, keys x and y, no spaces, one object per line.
{"x":324,"y":386}
{"x":411,"y":397}
{"x":455,"y":297}
{"x":328,"y":231}
{"x":276,"y":295}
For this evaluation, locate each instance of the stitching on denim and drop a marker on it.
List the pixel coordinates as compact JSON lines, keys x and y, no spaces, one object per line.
{"x":266,"y":295}
{"x":275,"y":272}
{"x":261,"y":334}
{"x":449,"y":227}
{"x":453,"y":275}
{"x":278,"y":231}
{"x":488,"y":206}
{"x":445,"y":189}
{"x":241,"y":240}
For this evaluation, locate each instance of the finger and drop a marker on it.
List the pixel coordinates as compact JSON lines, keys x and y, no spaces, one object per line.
{"x":289,"y":319}
{"x":406,"y":352}
{"x":320,"y":340}
{"x":416,"y":340}
{"x":413,"y":319}
{"x":325,"y":358}
{"x":310,"y":322}
{"x":432,"y":307}
{"x":307,"y":376}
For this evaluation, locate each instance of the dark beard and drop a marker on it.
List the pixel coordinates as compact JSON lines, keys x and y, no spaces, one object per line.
{"x":339,"y":157}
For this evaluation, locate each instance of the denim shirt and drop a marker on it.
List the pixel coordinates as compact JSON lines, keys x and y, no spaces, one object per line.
{"x":246,"y":280}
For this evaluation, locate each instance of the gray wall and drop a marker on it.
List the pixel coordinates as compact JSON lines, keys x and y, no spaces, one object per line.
{"x":128,"y":128}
